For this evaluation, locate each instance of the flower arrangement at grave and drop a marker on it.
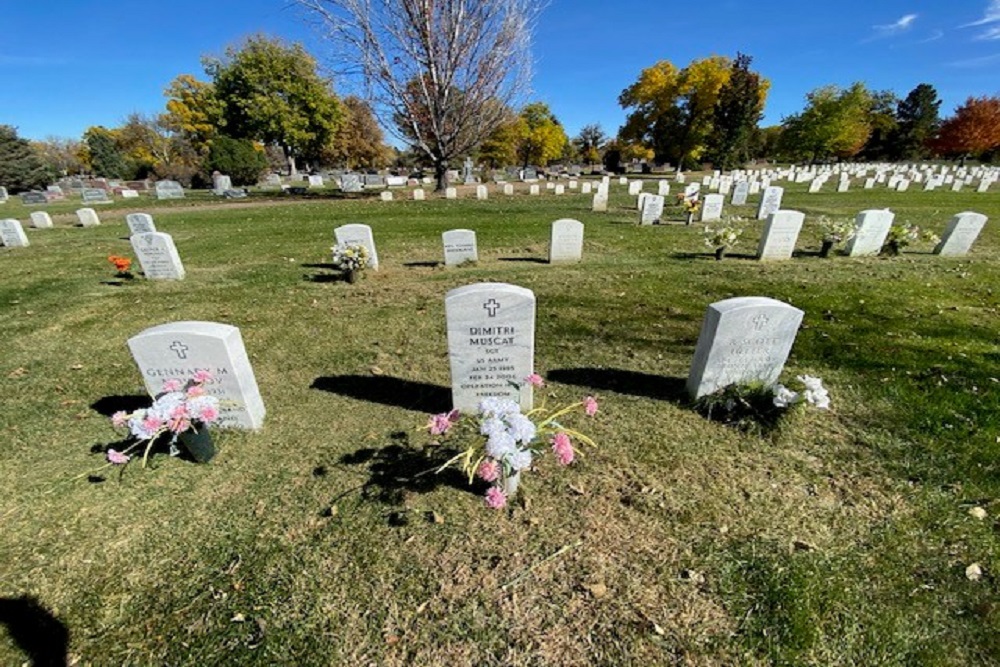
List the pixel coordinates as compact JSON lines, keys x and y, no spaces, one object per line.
{"x":903,"y":234}
{"x":836,"y":230}
{"x":352,"y":259}
{"x":182,"y":411}
{"x":723,"y":237}
{"x":690,"y":204}
{"x":499,"y":442}
{"x":757,"y":407}
{"x":123,"y":266}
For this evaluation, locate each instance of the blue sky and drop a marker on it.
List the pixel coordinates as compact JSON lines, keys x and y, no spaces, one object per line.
{"x":68,"y":64}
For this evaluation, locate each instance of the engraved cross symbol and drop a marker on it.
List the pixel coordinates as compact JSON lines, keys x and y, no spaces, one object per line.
{"x":491,"y":307}
{"x":180,"y":348}
{"x":760,"y":321}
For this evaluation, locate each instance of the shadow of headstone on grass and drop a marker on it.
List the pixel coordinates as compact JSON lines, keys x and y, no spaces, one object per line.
{"x":36,"y":631}
{"x":408,"y":394}
{"x":635,"y":383}
{"x":109,"y":405}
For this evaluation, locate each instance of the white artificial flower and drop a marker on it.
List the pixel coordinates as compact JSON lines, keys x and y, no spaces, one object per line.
{"x":492,"y":425}
{"x":522,"y":428}
{"x":500,"y":444}
{"x":784,"y":397}
{"x":811,"y":383}
{"x":520,"y":460}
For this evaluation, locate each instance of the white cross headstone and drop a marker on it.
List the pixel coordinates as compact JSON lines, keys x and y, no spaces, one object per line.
{"x":870,"y":229}
{"x":139,"y":223}
{"x":780,"y":234}
{"x":960,"y":234}
{"x":41,"y":220}
{"x":12,"y":234}
{"x":158,"y":256}
{"x":180,"y":349}
{"x":88,"y":217}
{"x":459,"y":247}
{"x":566,"y":241}
{"x":359,"y":235}
{"x":491,"y":343}
{"x":743,"y":339}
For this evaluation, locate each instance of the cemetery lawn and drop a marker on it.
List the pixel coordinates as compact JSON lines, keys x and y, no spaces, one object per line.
{"x":842,"y":538}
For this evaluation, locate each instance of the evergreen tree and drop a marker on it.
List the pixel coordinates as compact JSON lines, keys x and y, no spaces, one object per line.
{"x":737,"y":112}
{"x":21,"y":168}
{"x":918,"y":123}
{"x":239,"y":159}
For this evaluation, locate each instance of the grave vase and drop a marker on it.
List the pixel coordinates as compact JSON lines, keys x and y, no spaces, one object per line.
{"x":825,"y":249}
{"x":352,"y":276}
{"x":891,"y":248}
{"x":720,"y":252}
{"x":198,"y":443}
{"x":510,"y":483}
{"x":690,"y":218}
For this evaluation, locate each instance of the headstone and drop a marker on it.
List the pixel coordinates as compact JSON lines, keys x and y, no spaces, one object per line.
{"x":754,"y":187}
{"x":902,"y":185}
{"x":374,"y":181}
{"x":869,"y":183}
{"x":508,"y":189}
{"x":169,"y":190}
{"x":533,"y":189}
{"x":491,"y":343}
{"x":780,"y":234}
{"x":221,"y":183}
{"x":984,"y":185}
{"x":95,"y":196}
{"x":88,"y":217}
{"x":740,"y":192}
{"x":467,"y":177}
{"x":600,"y":204}
{"x":482,"y":193}
{"x":273,"y":180}
{"x":960,"y":234}
{"x":530,"y":174}
{"x":622,"y":180}
{"x":770,"y":201}
{"x":743,"y":339}
{"x":181,"y":349}
{"x":550,"y":186}
{"x":585,"y":188}
{"x":634,"y":187}
{"x":418,"y":194}
{"x":386,"y":195}
{"x":663,"y":188}
{"x":240,"y":193}
{"x":361,"y":235}
{"x":33,"y":198}
{"x":691,"y":191}
{"x":41,"y":220}
{"x":459,"y":247}
{"x":566,"y":241}
{"x":395,"y":181}
{"x":957,"y":186}
{"x":711,"y":208}
{"x":652,"y":210}
{"x":843,"y":185}
{"x":679,"y":177}
{"x":315,"y":181}
{"x":559,"y":189}
{"x":158,"y":256}
{"x":573,"y":185}
{"x":140,"y":223}
{"x":12,"y":234}
{"x":451,"y":193}
{"x":351,"y":183}
{"x":128,"y":193}
{"x":3,"y":195}
{"x":870,"y":229}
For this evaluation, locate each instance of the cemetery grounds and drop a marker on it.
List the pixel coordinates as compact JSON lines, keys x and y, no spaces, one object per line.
{"x":841,"y":538}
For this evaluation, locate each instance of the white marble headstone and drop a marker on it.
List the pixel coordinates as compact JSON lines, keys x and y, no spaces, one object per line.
{"x":743,"y":339}
{"x":351,"y":182}
{"x":451,"y":193}
{"x":652,"y":209}
{"x":960,"y":234}
{"x":482,"y":193}
{"x":691,"y":191}
{"x":221,"y":183}
{"x":491,"y":343}
{"x":12,"y":234}
{"x":418,"y":194}
{"x":663,"y":187}
{"x":385,"y":195}
{"x":600,"y":204}
{"x":566,"y":242}
{"x":508,"y":188}
{"x":180,"y":349}
{"x":533,"y":189}
{"x":158,"y":256}
{"x":870,"y":229}
{"x":169,"y":190}
{"x":634,"y":187}
{"x":459,"y":247}
{"x":128,"y":193}
{"x":780,"y":234}
{"x":88,"y":217}
{"x":711,"y":208}
{"x":740,"y":192}
{"x":559,"y":189}
{"x":41,"y":220}
{"x":770,"y":201}
{"x":316,"y":181}
{"x":360,"y":235}
{"x":140,"y":223}
{"x":585,"y":188}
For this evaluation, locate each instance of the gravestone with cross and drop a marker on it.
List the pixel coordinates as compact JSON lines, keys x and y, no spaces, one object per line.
{"x":140,"y":223}
{"x":158,"y":256}
{"x":491,"y":343}
{"x":358,"y":234}
{"x":180,"y":349}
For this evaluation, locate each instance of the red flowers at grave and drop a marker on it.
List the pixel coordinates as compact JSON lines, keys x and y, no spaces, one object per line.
{"x":122,"y":264}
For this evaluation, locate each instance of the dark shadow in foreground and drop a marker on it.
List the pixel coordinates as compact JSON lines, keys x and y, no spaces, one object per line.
{"x":109,"y":405}
{"x":658,"y":387}
{"x":531,"y":260}
{"x":419,"y":396}
{"x":36,"y":631}
{"x":400,"y":469}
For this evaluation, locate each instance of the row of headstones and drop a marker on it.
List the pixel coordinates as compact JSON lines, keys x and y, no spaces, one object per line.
{"x":483,"y":191}
{"x":460,"y":245}
{"x":491,"y":350}
{"x":651,"y":206}
{"x":900,"y":184}
{"x":164,"y":190}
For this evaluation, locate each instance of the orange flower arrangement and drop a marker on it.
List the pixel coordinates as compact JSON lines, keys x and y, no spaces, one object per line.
{"x":122,"y":264}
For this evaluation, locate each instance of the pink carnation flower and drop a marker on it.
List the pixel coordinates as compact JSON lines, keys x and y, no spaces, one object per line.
{"x":439,"y":424}
{"x":117,"y":457}
{"x":495,"y":498}
{"x":535,"y":380}
{"x":489,"y":470}
{"x":563,"y":449}
{"x":201,"y":376}
{"x":209,"y":414}
{"x":172,"y":385}
{"x":119,"y":419}
{"x":590,"y":406}
{"x":195,"y":390}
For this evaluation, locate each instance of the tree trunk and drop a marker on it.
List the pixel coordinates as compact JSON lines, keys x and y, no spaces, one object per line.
{"x":291,"y":160}
{"x":440,"y":175}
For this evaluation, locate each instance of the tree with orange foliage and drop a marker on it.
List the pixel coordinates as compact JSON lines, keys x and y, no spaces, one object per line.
{"x":973,"y":130}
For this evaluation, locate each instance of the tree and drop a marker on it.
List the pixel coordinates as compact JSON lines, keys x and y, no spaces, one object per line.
{"x":240,"y":159}
{"x":499,"y":148}
{"x":60,"y":156}
{"x":917,"y":123}
{"x":542,"y":137}
{"x":881,"y":144}
{"x":835,"y":123}
{"x":443,"y":73}
{"x":20,"y":166}
{"x":973,"y":130}
{"x":590,"y":142}
{"x":674,"y":109}
{"x":104,"y":155}
{"x":359,"y":141}
{"x":271,"y":93}
{"x":194,"y":112}
{"x":737,"y":112}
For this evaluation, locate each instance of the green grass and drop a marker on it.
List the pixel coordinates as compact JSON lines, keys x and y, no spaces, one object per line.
{"x":840,"y":538}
